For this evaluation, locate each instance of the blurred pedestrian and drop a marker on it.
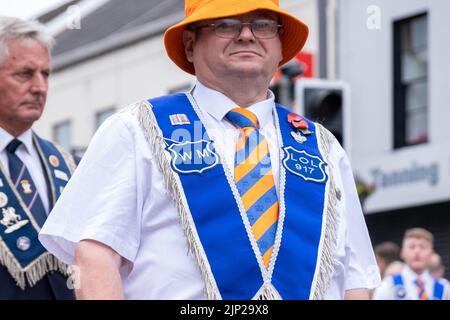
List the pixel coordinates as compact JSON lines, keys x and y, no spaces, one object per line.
{"x":414,"y":282}
{"x":436,"y":267}
{"x":33,"y":171}
{"x":386,"y":253}
{"x":393,"y":268}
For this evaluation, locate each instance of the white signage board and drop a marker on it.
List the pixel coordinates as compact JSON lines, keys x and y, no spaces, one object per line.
{"x":405,"y":178}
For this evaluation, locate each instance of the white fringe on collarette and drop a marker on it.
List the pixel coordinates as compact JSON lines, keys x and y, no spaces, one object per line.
{"x":325,"y":267}
{"x":154,"y":137}
{"x":35,"y":271}
{"x":267,"y":292}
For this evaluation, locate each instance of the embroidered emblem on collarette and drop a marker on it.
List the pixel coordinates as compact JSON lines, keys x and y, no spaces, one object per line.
{"x":11,"y":220}
{"x":304,"y":165}
{"x":193,"y":157}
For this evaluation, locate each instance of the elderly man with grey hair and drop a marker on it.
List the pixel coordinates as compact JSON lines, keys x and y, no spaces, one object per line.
{"x":33,"y":171}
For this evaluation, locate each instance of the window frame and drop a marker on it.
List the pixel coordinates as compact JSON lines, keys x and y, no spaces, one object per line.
{"x":400,"y":110}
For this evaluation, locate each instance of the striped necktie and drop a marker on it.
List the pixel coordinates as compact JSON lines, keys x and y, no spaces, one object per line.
{"x":23,"y":183}
{"x":421,"y":292}
{"x":254,"y":180}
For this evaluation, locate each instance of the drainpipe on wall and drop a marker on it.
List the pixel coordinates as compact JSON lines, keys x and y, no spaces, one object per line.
{"x":332,"y":34}
{"x":328,"y":45}
{"x":323,"y":45}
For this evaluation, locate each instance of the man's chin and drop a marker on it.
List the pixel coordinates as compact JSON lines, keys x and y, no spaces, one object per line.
{"x":417,"y":266}
{"x":31,"y":116}
{"x":247,"y":68}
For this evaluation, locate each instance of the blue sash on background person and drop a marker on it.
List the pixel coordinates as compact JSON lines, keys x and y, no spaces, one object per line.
{"x":216,"y":210}
{"x":21,"y":253}
{"x":400,"y":291}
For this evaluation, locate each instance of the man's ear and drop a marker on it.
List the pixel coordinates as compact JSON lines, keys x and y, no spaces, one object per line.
{"x":189,"y":41}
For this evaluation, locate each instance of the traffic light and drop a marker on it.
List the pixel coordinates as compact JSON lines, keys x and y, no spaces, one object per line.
{"x":325,"y":102}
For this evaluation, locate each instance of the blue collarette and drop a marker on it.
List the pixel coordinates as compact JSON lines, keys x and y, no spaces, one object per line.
{"x":219,"y":224}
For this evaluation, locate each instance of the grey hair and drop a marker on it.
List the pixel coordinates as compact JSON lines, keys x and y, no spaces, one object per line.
{"x":12,"y":28}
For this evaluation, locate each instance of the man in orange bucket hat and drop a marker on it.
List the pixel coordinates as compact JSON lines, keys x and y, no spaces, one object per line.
{"x":262,"y":199}
{"x":293,"y":36}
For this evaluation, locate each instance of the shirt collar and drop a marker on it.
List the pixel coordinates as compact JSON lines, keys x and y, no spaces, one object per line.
{"x":218,"y":105}
{"x":26,"y":138}
{"x":413,"y":276}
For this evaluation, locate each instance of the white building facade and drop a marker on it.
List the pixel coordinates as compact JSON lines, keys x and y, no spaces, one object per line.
{"x":395,"y":57}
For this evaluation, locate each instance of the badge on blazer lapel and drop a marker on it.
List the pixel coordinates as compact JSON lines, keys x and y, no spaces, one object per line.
{"x":304,"y":165}
{"x":193,"y":157}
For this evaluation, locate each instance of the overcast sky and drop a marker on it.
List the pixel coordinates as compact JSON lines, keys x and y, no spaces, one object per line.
{"x":26,"y":8}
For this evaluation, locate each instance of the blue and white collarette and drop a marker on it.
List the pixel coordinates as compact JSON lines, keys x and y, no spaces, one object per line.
{"x":20,"y":250}
{"x":219,"y":231}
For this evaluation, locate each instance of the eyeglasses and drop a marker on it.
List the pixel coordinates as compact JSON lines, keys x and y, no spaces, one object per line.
{"x":231,"y":28}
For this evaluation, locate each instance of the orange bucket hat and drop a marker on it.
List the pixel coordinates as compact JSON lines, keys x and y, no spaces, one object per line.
{"x":293,"y":38}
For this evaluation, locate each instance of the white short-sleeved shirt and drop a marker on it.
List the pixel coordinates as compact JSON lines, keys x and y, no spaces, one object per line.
{"x":117,"y":196}
{"x":387,"y":290}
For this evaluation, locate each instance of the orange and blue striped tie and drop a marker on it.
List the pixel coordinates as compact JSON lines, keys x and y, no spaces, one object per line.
{"x":254,"y":180}
{"x":422,"y":293}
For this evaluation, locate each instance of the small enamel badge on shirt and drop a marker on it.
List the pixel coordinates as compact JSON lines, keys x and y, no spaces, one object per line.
{"x":297,"y":121}
{"x":300,"y":126}
{"x":298,"y":137}
{"x":179,"y":119}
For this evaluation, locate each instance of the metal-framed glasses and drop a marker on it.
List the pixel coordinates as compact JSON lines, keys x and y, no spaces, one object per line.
{"x":232,"y":28}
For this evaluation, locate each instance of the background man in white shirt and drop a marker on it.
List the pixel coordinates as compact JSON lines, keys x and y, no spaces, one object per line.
{"x":386,"y":253}
{"x":128,"y":216}
{"x":436,"y":267}
{"x":414,"y":282}
{"x":26,"y":269}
